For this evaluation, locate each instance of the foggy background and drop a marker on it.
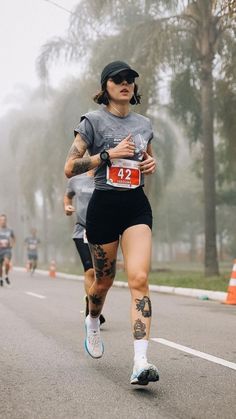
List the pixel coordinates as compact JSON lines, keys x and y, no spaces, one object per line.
{"x":50,"y":69}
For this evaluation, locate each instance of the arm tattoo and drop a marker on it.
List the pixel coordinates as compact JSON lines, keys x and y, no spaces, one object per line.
{"x":144,"y":305}
{"x":139,"y":329}
{"x":81,"y":166}
{"x":73,"y":153}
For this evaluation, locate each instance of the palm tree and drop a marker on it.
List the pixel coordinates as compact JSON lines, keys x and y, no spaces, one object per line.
{"x":160,"y":36}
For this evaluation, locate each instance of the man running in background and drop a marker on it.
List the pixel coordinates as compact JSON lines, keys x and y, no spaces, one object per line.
{"x":81,"y":187}
{"x":7,"y":241}
{"x":32,"y":243}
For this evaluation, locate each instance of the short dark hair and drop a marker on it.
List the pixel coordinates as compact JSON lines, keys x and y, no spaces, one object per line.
{"x":3,"y":215}
{"x":102,"y":97}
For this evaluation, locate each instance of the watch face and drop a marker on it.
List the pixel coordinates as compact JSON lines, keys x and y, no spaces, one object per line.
{"x":104,"y":155}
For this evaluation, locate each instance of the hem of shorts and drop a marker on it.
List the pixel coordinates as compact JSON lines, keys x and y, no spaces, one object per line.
{"x":100,"y":242}
{"x":116,"y":189}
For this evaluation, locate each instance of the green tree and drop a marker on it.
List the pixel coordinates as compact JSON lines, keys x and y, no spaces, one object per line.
{"x":157,"y":36}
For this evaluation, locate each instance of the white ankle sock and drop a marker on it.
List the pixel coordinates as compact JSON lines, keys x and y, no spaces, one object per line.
{"x":92,"y":322}
{"x":140,"y":350}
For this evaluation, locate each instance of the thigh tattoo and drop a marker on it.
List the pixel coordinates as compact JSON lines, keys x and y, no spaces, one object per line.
{"x":103,"y":266}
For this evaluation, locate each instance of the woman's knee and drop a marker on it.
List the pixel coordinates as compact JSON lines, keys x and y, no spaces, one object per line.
{"x":103,"y":284}
{"x":139,"y":282}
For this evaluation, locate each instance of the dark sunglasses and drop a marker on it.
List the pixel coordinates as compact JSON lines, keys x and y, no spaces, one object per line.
{"x":119,"y":78}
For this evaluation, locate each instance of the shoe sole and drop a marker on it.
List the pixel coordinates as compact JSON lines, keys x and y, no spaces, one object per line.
{"x":86,"y":348}
{"x":145,"y":377}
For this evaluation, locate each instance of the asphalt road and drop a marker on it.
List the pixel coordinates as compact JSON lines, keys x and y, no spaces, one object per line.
{"x":45,"y":373}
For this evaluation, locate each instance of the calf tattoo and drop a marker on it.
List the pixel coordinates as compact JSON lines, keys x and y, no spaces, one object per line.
{"x":94,"y":313}
{"x":103,"y":266}
{"x":144,"y":305}
{"x":139,"y":329}
{"x":95,"y":299}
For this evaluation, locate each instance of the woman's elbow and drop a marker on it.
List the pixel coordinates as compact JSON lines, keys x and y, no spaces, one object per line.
{"x":67,"y":170}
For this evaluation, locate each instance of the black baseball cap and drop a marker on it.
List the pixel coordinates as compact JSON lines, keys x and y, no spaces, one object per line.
{"x":114,"y":68}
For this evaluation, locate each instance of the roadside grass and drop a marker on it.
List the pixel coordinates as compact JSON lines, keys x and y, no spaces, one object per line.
{"x":176,"y":275}
{"x":185,"y":279}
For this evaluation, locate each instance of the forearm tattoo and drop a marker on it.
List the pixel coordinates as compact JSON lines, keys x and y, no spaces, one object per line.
{"x":144,"y":305}
{"x":80,"y":164}
{"x":139,"y":329}
{"x":103,"y":266}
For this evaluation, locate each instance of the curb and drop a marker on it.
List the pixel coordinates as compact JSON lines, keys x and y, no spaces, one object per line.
{"x":187,"y":292}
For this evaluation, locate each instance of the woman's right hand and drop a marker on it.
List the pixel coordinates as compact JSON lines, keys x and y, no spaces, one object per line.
{"x":125,"y":148}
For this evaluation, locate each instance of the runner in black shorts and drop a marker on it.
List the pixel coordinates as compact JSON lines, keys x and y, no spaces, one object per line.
{"x":119,"y":146}
{"x":32,"y":242}
{"x":81,"y":187}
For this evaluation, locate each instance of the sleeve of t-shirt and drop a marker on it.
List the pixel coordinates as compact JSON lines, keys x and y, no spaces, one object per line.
{"x":151,"y":134}
{"x":85,"y":130}
{"x":69,"y":189}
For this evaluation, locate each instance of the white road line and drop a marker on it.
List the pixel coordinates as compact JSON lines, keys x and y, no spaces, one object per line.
{"x":203,"y":355}
{"x":35,"y":295}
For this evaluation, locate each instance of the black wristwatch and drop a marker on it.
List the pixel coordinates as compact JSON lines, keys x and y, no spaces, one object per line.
{"x":104,"y":156}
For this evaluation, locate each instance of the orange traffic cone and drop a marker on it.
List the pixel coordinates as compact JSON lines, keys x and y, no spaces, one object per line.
{"x":231,"y":296}
{"x":52,"y":269}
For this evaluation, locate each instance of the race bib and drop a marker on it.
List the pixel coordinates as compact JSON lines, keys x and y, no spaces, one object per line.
{"x":123,"y":173}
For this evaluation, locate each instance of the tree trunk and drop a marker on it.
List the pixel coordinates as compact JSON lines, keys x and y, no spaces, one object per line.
{"x":45,"y":229}
{"x":211,"y":262}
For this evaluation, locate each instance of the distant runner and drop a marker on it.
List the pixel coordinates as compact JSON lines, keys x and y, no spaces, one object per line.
{"x":7,"y":241}
{"x":32,"y":242}
{"x":81,"y":187}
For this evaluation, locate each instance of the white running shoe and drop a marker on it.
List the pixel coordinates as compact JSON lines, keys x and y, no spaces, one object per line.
{"x":144,"y":373}
{"x":93,"y":342}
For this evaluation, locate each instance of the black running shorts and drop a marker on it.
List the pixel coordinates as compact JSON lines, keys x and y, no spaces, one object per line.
{"x":84,"y":252}
{"x":5,"y":254}
{"x":111,"y":212}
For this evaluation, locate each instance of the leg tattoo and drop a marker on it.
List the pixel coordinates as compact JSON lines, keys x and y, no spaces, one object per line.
{"x":97,"y":301}
{"x":144,"y":305}
{"x":139,"y":329}
{"x":103,"y":267}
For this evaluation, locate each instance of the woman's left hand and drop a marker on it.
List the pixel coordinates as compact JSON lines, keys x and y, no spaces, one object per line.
{"x":148,"y":165}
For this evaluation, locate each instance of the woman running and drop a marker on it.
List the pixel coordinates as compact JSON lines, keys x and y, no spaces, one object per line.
{"x":119,"y":145}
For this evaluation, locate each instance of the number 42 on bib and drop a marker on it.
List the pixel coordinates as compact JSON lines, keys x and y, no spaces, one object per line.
{"x":123,"y":173}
